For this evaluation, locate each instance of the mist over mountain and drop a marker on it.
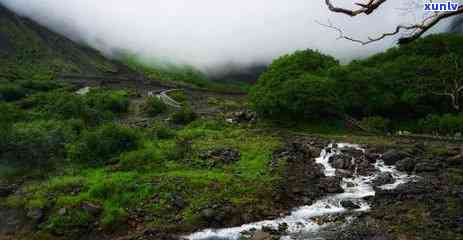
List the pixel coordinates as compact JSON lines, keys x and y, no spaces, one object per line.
{"x":210,"y":34}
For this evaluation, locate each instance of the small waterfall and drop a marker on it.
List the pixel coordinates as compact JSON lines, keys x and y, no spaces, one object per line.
{"x":300,"y":221}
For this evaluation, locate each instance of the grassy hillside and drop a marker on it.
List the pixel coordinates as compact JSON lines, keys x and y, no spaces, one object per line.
{"x":30,"y":51}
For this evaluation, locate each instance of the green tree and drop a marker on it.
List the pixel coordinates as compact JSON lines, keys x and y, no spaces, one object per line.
{"x":294,"y":86}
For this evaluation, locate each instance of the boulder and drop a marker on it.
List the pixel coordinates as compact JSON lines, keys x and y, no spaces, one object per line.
{"x":341,"y":161}
{"x":428,"y":166}
{"x":353,"y":152}
{"x":331,"y":185}
{"x":392,"y":156}
{"x":365,"y":168}
{"x":455,"y":160}
{"x":35,"y":214}
{"x":348,"y":204}
{"x":261,"y":235}
{"x":344,"y":173}
{"x":406,"y":165}
{"x":6,"y":190}
{"x":383,"y":179}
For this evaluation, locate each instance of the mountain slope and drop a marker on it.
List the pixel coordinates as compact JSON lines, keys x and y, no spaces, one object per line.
{"x":31,"y":51}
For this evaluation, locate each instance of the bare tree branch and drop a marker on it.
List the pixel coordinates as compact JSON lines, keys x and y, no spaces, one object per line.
{"x":416,"y":30}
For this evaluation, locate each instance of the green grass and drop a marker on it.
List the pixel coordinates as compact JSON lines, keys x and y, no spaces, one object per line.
{"x":126,"y":186}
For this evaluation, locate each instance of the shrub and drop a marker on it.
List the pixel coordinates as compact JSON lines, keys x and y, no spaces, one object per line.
{"x":184,"y":116}
{"x":153,"y":106}
{"x":99,"y":146}
{"x":376,"y":124}
{"x":11,"y":92}
{"x":142,"y":159}
{"x":447,"y":124}
{"x":38,"y":143}
{"x":161,"y":130}
{"x":106,"y":100}
{"x":113,"y":216}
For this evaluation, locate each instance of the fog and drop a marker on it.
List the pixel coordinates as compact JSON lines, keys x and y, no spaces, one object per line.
{"x":212,"y":33}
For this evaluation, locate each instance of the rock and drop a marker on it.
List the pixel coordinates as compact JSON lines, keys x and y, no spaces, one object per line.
{"x":62,"y":211}
{"x":428,"y":166}
{"x":344,"y":173}
{"x":365,"y":168}
{"x":92,"y":208}
{"x":331,"y":185}
{"x":353,"y":152}
{"x":283,"y":228}
{"x":341,"y":161}
{"x":260,"y":235}
{"x":349,"y":205}
{"x":406,"y":164}
{"x":383,"y":179}
{"x":36,"y":214}
{"x":178,"y":202}
{"x":392,"y":156}
{"x":372,"y":157}
{"x":6,"y":190}
{"x":455,"y":160}
{"x":222,"y":155}
{"x":245,"y":116}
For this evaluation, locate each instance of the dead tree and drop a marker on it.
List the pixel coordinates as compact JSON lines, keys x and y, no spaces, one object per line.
{"x":414,"y":31}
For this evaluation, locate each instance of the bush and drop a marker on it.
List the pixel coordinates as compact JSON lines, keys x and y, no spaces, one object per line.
{"x":153,"y":106}
{"x":160,"y":130}
{"x":142,"y":159}
{"x":184,"y":116}
{"x":447,"y":124}
{"x":99,"y":146}
{"x":376,"y":124}
{"x":11,"y":92}
{"x":38,"y":143}
{"x":106,"y":100}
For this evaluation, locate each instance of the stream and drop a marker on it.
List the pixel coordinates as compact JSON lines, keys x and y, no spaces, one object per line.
{"x":300,"y":223}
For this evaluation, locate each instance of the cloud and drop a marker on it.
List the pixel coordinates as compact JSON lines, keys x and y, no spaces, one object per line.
{"x":210,"y":33}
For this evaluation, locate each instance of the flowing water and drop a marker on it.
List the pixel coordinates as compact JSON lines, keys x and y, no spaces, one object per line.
{"x":300,"y":222}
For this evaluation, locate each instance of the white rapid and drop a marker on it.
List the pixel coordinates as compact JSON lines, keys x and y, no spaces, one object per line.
{"x":300,"y":222}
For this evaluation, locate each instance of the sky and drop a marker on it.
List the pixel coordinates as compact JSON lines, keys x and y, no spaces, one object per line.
{"x":213,"y":34}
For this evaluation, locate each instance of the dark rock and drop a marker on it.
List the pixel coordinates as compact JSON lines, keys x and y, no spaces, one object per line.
{"x":392,"y":156}
{"x":455,"y":160}
{"x":178,"y":202}
{"x":245,"y":116}
{"x":92,"y":208}
{"x":365,"y":168}
{"x":349,"y":205}
{"x":6,"y":190}
{"x":372,"y":157}
{"x":383,"y":179}
{"x":35,"y":214}
{"x":282,"y":228}
{"x":406,"y":164}
{"x":157,"y":234}
{"x":344,"y":173}
{"x":331,"y":185}
{"x":341,"y":161}
{"x":11,"y":220}
{"x":353,"y":152}
{"x":428,"y":166}
{"x":208,"y":214}
{"x":222,"y":155}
